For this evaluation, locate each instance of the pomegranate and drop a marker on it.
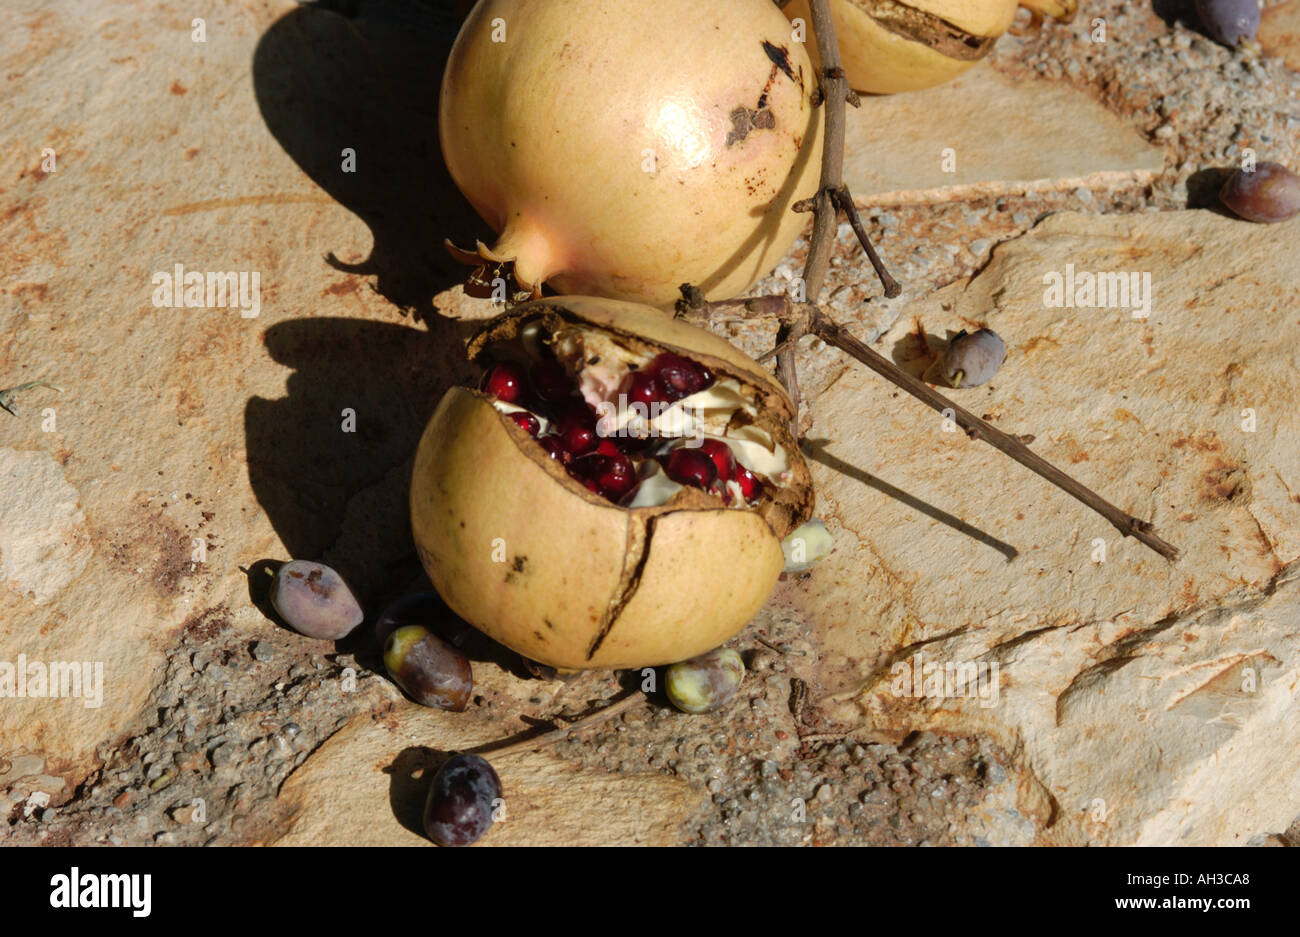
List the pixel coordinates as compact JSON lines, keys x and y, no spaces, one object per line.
{"x":889,"y":46}
{"x":612,"y":557}
{"x":621,"y":148}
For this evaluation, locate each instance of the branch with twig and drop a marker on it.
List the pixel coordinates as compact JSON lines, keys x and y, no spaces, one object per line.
{"x":798,"y":319}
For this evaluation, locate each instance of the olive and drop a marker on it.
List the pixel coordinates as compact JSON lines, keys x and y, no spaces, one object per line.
{"x":1269,"y":193}
{"x":314,"y":600}
{"x":705,"y":683}
{"x":431,"y":671}
{"x":463,"y":801}
{"x":972,"y":358}
{"x":806,"y":545}
{"x":1229,"y":21}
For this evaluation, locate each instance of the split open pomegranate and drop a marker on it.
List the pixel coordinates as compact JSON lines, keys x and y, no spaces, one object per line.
{"x":642,"y":523}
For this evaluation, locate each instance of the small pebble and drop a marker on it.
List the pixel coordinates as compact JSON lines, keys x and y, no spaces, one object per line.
{"x":223,"y":755}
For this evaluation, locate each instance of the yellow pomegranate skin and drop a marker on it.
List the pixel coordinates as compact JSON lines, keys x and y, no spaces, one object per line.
{"x":530,"y":557}
{"x":890,"y":46}
{"x":621,"y":148}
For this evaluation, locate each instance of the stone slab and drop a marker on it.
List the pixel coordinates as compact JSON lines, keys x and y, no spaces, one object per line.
{"x":998,"y":137}
{"x":1121,"y":672}
{"x":1279,"y":33}
{"x":366,"y":787}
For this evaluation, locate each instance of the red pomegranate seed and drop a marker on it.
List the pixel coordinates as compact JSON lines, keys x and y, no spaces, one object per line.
{"x":691,"y":467}
{"x":505,"y":381}
{"x":721,"y":455}
{"x":551,"y":380}
{"x":526,"y":422}
{"x":555,"y":449}
{"x":642,"y":387}
{"x":679,"y":376}
{"x":750,"y":486}
{"x":577,"y":432}
{"x":614,"y":475}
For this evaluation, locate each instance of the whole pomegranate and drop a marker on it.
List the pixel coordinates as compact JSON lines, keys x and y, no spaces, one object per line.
{"x":637,"y":519}
{"x":621,"y":148}
{"x":889,"y":46}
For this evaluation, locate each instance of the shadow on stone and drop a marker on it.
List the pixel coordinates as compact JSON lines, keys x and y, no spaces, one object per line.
{"x":914,"y":353}
{"x":815,"y":449}
{"x":260,"y":574}
{"x":1203,"y":189}
{"x":330,"y":461}
{"x":409,"y":777}
{"x":363,"y":76}
{"x":1177,"y":11}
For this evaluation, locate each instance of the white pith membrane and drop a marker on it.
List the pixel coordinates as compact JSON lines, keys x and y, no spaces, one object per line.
{"x":597,"y":362}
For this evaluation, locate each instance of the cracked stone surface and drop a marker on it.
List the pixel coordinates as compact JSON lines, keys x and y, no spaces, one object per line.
{"x":1139,"y":702}
{"x":1185,"y":419}
{"x":1279,"y":32}
{"x":952,"y":142}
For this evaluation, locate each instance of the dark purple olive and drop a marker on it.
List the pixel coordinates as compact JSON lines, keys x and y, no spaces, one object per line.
{"x":314,"y":600}
{"x":431,"y":671}
{"x":462,"y":801}
{"x":1269,"y":194}
{"x":1229,"y":21}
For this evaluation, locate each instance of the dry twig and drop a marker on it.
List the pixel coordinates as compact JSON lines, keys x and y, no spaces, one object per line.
{"x":556,"y":735}
{"x":798,"y":319}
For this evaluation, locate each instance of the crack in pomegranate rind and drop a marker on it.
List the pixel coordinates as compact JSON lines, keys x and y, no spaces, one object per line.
{"x":629,"y":589}
{"x":927,"y":29}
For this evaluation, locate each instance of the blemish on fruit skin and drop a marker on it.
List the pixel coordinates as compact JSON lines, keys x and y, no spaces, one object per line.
{"x":743,"y":120}
{"x":518,"y":563}
{"x":780,"y":57}
{"x":760,"y":117}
